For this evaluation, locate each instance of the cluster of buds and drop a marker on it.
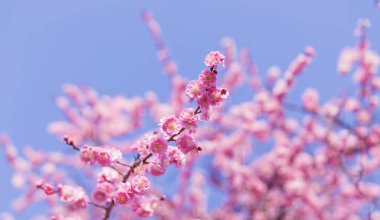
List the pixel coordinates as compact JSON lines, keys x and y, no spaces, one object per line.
{"x":73,"y":196}
{"x":105,"y":157}
{"x":48,"y":188}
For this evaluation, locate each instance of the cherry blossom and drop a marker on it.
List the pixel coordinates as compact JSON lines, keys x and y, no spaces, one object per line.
{"x":140,"y":184}
{"x":157,"y":144}
{"x":214,"y":58}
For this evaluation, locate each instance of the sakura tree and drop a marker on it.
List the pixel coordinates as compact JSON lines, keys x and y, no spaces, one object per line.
{"x":321,"y":160}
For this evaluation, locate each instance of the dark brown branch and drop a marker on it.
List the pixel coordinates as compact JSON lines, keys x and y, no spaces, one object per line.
{"x":175,"y":135}
{"x":123,"y":164}
{"x":97,"y":205}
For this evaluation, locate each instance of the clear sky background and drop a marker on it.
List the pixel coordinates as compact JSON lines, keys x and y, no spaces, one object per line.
{"x":105,"y":44}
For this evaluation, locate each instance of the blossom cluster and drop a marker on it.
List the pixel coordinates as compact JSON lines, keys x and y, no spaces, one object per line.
{"x":75,"y":197}
{"x":105,"y":157}
{"x":204,"y":89}
{"x":126,"y":191}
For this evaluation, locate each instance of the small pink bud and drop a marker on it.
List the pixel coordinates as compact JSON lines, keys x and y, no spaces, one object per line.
{"x":39,"y":184}
{"x":49,"y":189}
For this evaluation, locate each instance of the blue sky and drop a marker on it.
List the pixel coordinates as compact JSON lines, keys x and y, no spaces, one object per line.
{"x":105,"y":44}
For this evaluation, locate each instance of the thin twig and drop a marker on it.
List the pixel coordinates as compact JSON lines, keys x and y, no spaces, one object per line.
{"x":97,"y":205}
{"x":70,"y":142}
{"x":123,"y":164}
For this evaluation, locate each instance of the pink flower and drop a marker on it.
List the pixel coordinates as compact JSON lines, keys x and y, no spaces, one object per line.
{"x":49,"y":189}
{"x":108,"y":175}
{"x":67,"y":193}
{"x":88,"y":154}
{"x":104,"y":157}
{"x":207,"y":78}
{"x":170,"y":125}
{"x":115,"y":154}
{"x":310,"y":100}
{"x":188,"y":114}
{"x":103,"y":191}
{"x":214,"y":58}
{"x":145,"y":206}
{"x":194,"y":90}
{"x":347,"y":59}
{"x":188,"y":119}
{"x":203,"y":102}
{"x":363,"y":116}
{"x":143,"y":211}
{"x":215,"y":97}
{"x":185,"y":143}
{"x":99,"y":196}
{"x":140,"y":184}
{"x":158,"y":166}
{"x":157,"y":169}
{"x":72,"y":195}
{"x":352,"y":105}
{"x":176,"y":156}
{"x":107,"y":156}
{"x":80,"y":203}
{"x":273,"y":74}
{"x":121,"y":198}
{"x":140,"y":144}
{"x":123,"y":194}
{"x":157,"y":144}
{"x":280,"y":89}
{"x":128,"y":188}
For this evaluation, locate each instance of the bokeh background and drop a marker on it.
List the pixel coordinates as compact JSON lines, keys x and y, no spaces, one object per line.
{"x":106,"y":45}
